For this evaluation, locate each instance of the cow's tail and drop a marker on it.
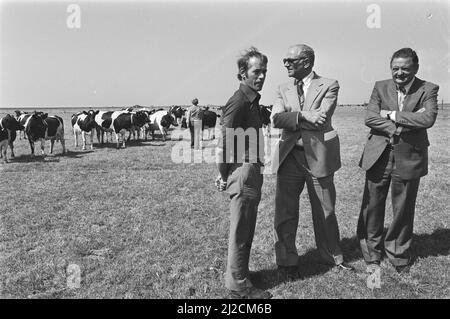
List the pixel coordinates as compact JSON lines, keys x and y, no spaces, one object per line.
{"x":60,"y":129}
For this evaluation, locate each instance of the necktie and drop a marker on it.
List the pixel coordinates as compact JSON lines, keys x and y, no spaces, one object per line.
{"x":301,"y":95}
{"x":401,"y":97}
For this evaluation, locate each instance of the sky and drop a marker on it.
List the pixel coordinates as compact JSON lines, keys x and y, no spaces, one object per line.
{"x":168,"y":52}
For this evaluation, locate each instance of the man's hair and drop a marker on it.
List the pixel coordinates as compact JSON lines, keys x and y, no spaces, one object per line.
{"x":245,"y":57}
{"x":308,"y":51}
{"x":406,"y":53}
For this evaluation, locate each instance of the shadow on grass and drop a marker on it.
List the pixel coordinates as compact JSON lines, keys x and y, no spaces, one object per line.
{"x":37,"y":158}
{"x":310,"y":264}
{"x":139,"y":143}
{"x":434,"y":244}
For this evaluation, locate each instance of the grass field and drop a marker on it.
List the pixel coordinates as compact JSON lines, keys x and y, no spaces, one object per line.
{"x":140,"y":226}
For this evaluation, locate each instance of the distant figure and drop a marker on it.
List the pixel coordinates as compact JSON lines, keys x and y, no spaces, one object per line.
{"x":399,"y":113}
{"x":194,"y":119}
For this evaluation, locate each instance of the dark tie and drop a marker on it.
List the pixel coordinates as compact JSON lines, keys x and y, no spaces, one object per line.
{"x":301,"y":95}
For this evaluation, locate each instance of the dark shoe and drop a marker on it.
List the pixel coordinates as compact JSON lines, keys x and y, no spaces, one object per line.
{"x":403,"y":269}
{"x":345,"y":266}
{"x":250,"y":293}
{"x":288,"y":273}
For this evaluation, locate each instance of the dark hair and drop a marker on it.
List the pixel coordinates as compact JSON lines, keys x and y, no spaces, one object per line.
{"x":242,"y":62}
{"x":406,"y":53}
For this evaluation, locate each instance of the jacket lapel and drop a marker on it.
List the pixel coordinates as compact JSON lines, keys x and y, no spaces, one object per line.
{"x":392,"y":96}
{"x":292,"y":98}
{"x":313,"y":91}
{"x":412,"y":98}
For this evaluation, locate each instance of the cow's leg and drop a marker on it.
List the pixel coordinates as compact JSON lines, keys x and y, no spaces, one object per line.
{"x":11,"y":146}
{"x":83,"y":137}
{"x":117,"y":140}
{"x":63,"y":144}
{"x":52,"y":143}
{"x":75,"y":136}
{"x":92,"y":139}
{"x":31,"y":146}
{"x":123,"y":139}
{"x":42,"y":146}
{"x":3,"y":152}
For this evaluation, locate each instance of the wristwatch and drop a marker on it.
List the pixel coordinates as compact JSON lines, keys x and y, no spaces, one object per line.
{"x":388,"y":115}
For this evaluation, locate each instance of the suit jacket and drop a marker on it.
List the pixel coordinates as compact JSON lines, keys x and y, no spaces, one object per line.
{"x":419,"y":113}
{"x":321,"y":143}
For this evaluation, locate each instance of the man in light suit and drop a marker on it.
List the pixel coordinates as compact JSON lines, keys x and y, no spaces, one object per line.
{"x":396,"y":154}
{"x":308,"y":153}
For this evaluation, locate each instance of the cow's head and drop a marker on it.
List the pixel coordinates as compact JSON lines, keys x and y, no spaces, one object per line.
{"x":36,"y":125}
{"x":9,"y":122}
{"x":168,"y":120}
{"x":90,"y":119}
{"x":19,"y":113}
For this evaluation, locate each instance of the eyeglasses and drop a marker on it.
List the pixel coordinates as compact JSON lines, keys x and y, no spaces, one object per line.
{"x":291,"y":61}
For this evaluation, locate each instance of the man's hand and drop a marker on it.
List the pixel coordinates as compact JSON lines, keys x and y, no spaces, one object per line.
{"x":221,"y":185}
{"x":315,"y":117}
{"x":384,"y":113}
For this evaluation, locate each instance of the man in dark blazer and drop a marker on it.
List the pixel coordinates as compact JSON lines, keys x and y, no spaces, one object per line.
{"x":308,"y":152}
{"x":395,"y":155}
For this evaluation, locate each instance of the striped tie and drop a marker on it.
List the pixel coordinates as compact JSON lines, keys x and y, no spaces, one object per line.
{"x":301,"y":95}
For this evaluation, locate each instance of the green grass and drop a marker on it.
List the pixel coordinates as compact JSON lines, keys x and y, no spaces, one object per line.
{"x":140,"y":226}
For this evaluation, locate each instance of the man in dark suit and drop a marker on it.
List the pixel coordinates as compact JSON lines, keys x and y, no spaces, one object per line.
{"x":308,"y":153}
{"x":239,"y":158}
{"x":395,"y":155}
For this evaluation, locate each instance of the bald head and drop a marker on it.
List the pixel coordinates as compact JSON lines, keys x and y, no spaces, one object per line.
{"x":303,"y":50}
{"x":299,"y":60}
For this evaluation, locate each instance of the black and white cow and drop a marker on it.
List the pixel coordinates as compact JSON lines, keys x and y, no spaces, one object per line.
{"x":20,"y":116}
{"x":178,"y":112}
{"x":209,"y":122}
{"x":127,"y":121}
{"x":161,"y":120}
{"x":84,"y":122}
{"x":40,"y":126}
{"x":104,"y":119}
{"x":8,"y":127}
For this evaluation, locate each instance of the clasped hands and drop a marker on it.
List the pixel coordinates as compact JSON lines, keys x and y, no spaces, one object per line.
{"x":221,"y":185}
{"x":315,"y":117}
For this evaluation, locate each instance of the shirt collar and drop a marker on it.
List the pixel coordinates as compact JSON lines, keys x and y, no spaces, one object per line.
{"x":306,"y":80}
{"x":408,"y":86}
{"x":249,"y":93}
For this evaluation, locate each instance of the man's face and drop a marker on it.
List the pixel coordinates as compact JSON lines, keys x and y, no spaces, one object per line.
{"x":403,"y":70}
{"x":296,"y":63}
{"x":256,"y":74}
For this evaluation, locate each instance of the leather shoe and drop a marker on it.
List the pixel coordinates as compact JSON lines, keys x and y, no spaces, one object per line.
{"x":403,"y":269}
{"x":250,"y":293}
{"x":345,"y":266}
{"x":288,"y":273}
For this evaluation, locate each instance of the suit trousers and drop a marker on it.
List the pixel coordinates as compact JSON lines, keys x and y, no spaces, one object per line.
{"x":244,"y":187}
{"x":398,"y":239}
{"x":291,"y":178}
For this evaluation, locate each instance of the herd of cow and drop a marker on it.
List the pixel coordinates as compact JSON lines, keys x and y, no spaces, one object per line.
{"x":38,"y":126}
